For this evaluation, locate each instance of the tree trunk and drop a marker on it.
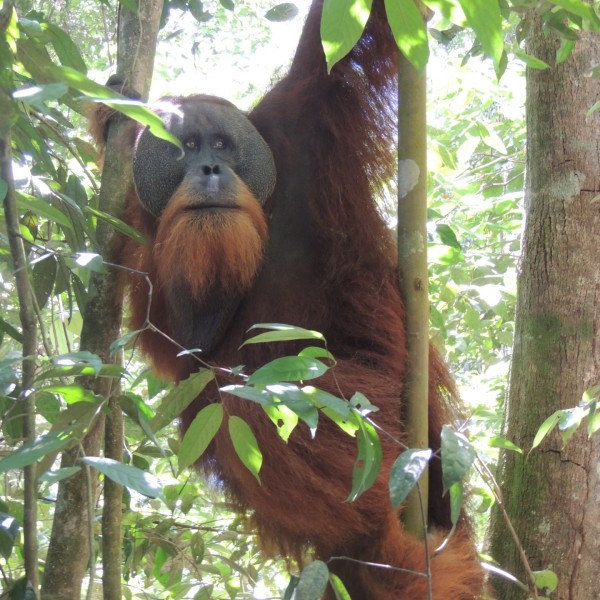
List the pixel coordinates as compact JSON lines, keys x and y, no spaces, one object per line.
{"x":68,"y":552}
{"x":552,"y":494}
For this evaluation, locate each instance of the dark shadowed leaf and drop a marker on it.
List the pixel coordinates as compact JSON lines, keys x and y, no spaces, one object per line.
{"x":457,"y":457}
{"x":313,"y":581}
{"x":406,"y":471}
{"x":282,"y":12}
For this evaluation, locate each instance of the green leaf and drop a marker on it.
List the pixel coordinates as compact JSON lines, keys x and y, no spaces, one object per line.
{"x":316,"y":352}
{"x":197,"y":11}
{"x":457,"y":457}
{"x":126,"y":475}
{"x":288,"y":368}
{"x":282,"y":333}
{"x":43,"y":276}
{"x":124,"y":341}
{"x":546,"y":427}
{"x":42,"y":209}
{"x":322,"y":399}
{"x":65,"y":48}
{"x":283,"y":418}
{"x":362,"y":404}
{"x":342,"y":25}
{"x":297,"y":401}
{"x":456,"y":501}
{"x":500,"y":442}
{"x":531,"y":61}
{"x":484,"y":17}
{"x":410,"y":33}
{"x":58,"y":475}
{"x":9,"y":530}
{"x":7,"y":328}
{"x":291,"y":588}
{"x":117,"y":224}
{"x":313,"y":581}
{"x":338,"y":587}
{"x":447,"y":236}
{"x":179,"y":398}
{"x":566,"y":47}
{"x":36,"y":95}
{"x":593,"y":418}
{"x":405,"y":472}
{"x":245,"y":445}
{"x":33,"y":450}
{"x":282,"y":12}
{"x":368,"y":460}
{"x":546,"y":580}
{"x":259,"y":395}
{"x":581,"y":9}
{"x":71,"y":393}
{"x":200,"y":434}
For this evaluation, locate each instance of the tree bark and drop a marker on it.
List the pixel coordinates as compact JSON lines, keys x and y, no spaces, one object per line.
{"x":413,"y":272}
{"x":29,"y":349}
{"x":552,"y":494}
{"x":68,"y":552}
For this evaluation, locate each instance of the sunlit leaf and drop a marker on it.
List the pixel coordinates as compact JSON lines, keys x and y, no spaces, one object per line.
{"x":338,"y":587}
{"x":546,"y":580}
{"x":288,"y":368}
{"x":126,"y":475}
{"x":245,"y":445}
{"x":409,"y":30}
{"x":282,"y":333}
{"x":179,"y":398}
{"x":546,"y":427}
{"x":581,"y":9}
{"x":342,"y":24}
{"x":199,"y":434}
{"x":484,"y":17}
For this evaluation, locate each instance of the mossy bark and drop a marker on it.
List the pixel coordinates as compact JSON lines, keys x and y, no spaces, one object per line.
{"x":552,"y":493}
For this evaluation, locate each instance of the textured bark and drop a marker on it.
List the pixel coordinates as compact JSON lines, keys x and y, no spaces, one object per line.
{"x":68,"y":552}
{"x":552,"y":495}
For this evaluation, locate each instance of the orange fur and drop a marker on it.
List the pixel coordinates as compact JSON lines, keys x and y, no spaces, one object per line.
{"x":224,"y":248}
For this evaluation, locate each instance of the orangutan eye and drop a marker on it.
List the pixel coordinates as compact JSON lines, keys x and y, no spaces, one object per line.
{"x":191,"y":144}
{"x":218,"y":143}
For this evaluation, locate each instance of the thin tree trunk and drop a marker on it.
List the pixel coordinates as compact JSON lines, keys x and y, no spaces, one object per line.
{"x":30,"y":345}
{"x":552,"y":494}
{"x":413,"y":271}
{"x":68,"y":552}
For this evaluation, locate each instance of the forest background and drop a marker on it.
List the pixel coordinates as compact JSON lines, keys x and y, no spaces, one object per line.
{"x":180,"y":539}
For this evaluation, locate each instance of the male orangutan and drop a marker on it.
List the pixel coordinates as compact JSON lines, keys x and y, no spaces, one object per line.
{"x":270,"y":217}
